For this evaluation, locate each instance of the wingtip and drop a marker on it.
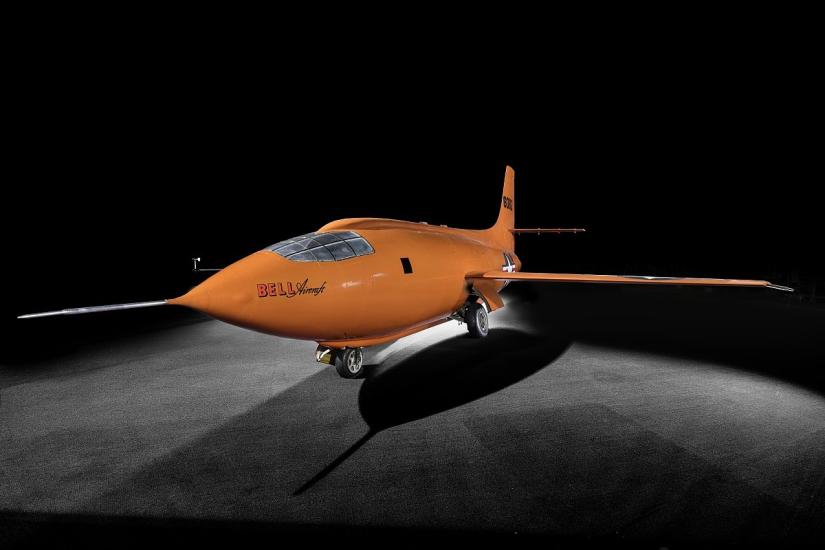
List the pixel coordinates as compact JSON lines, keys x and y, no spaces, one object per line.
{"x":780,"y":287}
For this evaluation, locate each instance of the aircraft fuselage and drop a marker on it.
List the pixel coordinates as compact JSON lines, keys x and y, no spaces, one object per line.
{"x":416,"y":277}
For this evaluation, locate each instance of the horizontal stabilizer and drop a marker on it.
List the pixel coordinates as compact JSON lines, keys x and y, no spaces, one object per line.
{"x":539,"y":230}
{"x":622,"y":279}
{"x":93,"y":309}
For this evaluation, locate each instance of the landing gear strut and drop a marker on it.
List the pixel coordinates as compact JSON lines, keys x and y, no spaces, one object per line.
{"x":476,"y":318}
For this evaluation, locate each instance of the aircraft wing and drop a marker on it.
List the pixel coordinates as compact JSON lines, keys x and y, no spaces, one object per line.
{"x":619,"y":279}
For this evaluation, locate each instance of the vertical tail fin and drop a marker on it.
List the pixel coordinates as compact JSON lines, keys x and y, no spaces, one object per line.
{"x":501,"y":233}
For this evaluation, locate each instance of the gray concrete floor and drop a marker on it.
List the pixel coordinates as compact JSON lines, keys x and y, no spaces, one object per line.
{"x":521,"y":432}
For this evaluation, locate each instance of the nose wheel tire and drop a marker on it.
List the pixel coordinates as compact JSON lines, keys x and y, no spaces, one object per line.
{"x":350,"y":363}
{"x":476,"y":319}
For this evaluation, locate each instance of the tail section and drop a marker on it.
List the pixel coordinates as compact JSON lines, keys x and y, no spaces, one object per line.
{"x":502,"y":232}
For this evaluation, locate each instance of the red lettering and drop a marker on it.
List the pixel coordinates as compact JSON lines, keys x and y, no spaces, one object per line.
{"x":288,"y":289}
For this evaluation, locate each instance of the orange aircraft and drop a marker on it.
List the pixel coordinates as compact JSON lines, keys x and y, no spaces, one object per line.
{"x":361,"y":282}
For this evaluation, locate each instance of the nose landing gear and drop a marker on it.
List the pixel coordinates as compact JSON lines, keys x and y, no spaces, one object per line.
{"x":349,"y":362}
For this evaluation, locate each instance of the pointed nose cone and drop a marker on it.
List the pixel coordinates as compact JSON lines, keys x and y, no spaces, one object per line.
{"x":228,"y":294}
{"x":199,"y":297}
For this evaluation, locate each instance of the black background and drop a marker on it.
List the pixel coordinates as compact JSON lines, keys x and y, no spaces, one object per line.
{"x":135,"y":150}
{"x":136,"y":143}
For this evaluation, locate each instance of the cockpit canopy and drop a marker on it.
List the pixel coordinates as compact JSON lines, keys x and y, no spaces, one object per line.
{"x":330,"y":246}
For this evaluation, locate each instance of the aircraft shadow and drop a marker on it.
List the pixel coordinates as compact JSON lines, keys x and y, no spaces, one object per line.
{"x":444,"y":376}
{"x":453,"y":372}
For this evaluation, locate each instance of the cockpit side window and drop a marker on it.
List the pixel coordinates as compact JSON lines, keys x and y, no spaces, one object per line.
{"x":323,"y":247}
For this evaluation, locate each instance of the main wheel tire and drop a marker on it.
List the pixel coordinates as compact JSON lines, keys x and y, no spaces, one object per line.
{"x":476,"y":319}
{"x":350,"y":363}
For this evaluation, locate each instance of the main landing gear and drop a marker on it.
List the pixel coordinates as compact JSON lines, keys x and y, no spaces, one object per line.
{"x":475,"y":315}
{"x":349,"y":362}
